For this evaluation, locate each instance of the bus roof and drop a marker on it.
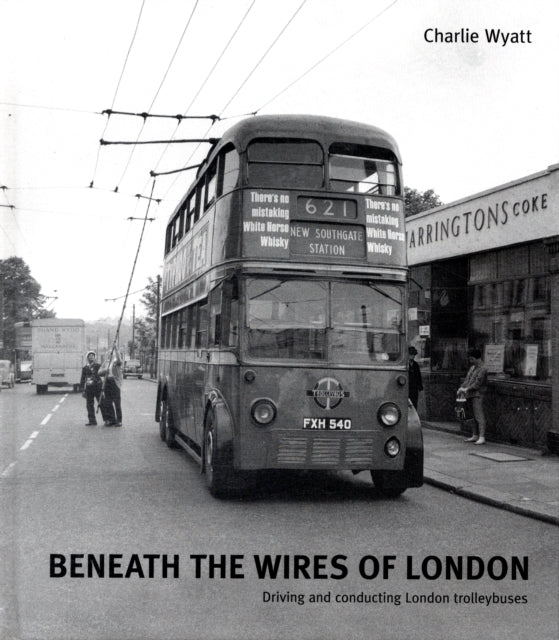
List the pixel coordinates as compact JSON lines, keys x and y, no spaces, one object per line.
{"x":321,"y":128}
{"x":57,"y":322}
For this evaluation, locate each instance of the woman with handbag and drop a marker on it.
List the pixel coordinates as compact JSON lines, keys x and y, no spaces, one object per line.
{"x":473,"y":388}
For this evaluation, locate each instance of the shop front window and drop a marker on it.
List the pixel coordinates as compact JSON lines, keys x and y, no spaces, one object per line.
{"x":511,"y":316}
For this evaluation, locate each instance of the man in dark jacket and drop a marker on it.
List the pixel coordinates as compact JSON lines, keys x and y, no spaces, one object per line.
{"x":90,"y":384}
{"x":414,"y":375}
{"x":110,"y":401}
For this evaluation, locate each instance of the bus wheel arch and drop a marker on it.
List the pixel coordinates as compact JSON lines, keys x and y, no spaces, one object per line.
{"x":217,"y":452}
{"x":166,"y":425}
{"x":392,"y":484}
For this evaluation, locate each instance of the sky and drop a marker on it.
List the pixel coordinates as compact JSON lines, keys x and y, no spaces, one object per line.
{"x":467,"y":116}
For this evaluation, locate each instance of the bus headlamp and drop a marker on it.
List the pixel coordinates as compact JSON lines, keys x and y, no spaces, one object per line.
{"x":392,"y":447}
{"x":263,"y":411}
{"x":389,"y":414}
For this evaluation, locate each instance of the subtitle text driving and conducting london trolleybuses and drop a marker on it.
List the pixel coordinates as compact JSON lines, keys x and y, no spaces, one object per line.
{"x":283,"y":309}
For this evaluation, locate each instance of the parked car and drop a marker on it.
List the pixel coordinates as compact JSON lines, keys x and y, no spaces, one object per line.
{"x":25,"y":370}
{"x":132,"y":368}
{"x":7,"y":375}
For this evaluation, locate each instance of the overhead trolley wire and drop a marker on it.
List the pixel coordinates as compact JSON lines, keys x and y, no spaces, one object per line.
{"x":12,"y":209}
{"x":272,"y":45}
{"x":118,"y":86}
{"x":50,"y":108}
{"x":158,"y":90}
{"x":264,"y":56}
{"x":314,"y":66}
{"x":206,"y":79}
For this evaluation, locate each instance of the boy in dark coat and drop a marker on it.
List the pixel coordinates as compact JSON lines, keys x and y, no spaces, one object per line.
{"x":91,"y":384}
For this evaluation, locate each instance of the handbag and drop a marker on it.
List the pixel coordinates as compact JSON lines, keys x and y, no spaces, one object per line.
{"x":460,"y":407}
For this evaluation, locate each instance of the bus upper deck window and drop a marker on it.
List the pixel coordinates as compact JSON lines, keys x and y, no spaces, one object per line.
{"x":285,"y":163}
{"x":211,"y":185}
{"x":363,"y":170}
{"x":228,"y":171}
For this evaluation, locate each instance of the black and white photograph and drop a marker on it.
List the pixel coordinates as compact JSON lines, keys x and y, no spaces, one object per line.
{"x":279,"y":320}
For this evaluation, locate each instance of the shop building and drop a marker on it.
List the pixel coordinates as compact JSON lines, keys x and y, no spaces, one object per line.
{"x":484,"y":272}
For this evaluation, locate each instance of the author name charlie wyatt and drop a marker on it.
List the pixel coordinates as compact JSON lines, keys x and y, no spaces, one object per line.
{"x":434,"y":35}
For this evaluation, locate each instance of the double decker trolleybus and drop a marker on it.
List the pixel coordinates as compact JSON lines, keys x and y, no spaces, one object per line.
{"x":283,"y":308}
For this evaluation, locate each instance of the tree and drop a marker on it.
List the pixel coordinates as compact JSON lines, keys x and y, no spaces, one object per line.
{"x":150,"y":300}
{"x":146,"y":327}
{"x":20,"y":299}
{"x":416,"y":201}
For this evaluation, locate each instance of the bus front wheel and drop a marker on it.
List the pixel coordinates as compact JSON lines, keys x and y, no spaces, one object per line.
{"x":166,"y":430}
{"x":220,"y":476}
{"x":384,"y":486}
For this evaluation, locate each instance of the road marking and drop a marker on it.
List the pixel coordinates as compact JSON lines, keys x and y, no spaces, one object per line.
{"x":8,"y":469}
{"x":32,"y":437}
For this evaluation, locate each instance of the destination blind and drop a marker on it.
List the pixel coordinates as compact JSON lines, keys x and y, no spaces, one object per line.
{"x":376,"y":236}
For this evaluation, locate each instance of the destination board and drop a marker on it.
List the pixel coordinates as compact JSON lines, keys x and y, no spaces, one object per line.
{"x":282,"y":225}
{"x":316,"y":239}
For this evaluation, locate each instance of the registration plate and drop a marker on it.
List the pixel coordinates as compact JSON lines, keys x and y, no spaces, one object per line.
{"x":327,"y":424}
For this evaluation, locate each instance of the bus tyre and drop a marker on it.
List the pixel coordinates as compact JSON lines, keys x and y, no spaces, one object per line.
{"x":166,"y":429}
{"x":220,"y":477}
{"x":384,"y":486}
{"x":162,"y":421}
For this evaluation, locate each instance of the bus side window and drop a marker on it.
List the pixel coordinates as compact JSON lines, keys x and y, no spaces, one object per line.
{"x":202,"y":326}
{"x":162,"y":330}
{"x":215,"y":317}
{"x":191,"y":318}
{"x":168,"y":238}
{"x":211,"y":185}
{"x":174,"y":322}
{"x":224,"y":315}
{"x":230,"y":313}
{"x":189,"y":213}
{"x":182,"y":329}
{"x":198,"y":201}
{"x":228,"y":171}
{"x":168,"y":328}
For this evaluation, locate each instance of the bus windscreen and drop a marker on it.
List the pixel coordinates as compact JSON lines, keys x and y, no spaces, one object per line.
{"x":341,"y":322}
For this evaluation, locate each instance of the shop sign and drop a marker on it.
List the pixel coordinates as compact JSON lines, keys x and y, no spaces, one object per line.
{"x":522,"y":211}
{"x":494,"y":358}
{"x":531,"y":361}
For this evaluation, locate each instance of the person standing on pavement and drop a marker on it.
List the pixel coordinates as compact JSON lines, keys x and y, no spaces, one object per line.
{"x":414,"y":377}
{"x":111,"y":399}
{"x":473,"y":388}
{"x":90,"y":385}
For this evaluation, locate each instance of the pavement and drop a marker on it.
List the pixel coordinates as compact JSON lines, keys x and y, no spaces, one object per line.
{"x":525,"y":481}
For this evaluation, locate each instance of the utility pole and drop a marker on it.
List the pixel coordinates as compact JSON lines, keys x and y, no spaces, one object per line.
{"x":133,"y":354}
